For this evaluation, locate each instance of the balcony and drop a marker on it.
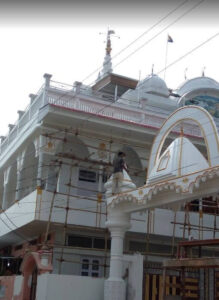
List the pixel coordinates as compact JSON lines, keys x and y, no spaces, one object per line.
{"x":83,"y":99}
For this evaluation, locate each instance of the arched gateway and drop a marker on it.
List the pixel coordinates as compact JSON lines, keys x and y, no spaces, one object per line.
{"x":179,"y":175}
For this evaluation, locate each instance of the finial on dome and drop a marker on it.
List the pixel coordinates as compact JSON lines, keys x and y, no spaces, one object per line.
{"x":108,"y":41}
{"x":203,"y":71}
{"x":107,"y":64}
{"x":152,"y":69}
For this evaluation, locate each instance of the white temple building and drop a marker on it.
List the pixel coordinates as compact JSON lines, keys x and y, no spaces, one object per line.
{"x":62,"y":230}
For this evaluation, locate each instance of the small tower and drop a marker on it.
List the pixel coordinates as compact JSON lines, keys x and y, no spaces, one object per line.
{"x":107,"y":64}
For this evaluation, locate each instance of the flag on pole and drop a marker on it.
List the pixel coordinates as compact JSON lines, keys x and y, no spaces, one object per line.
{"x":169,"y":39}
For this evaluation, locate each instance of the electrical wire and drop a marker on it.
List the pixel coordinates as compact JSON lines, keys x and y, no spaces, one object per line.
{"x":138,"y":38}
{"x":191,"y":51}
{"x":160,"y":32}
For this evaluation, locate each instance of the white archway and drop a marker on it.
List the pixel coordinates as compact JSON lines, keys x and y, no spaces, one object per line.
{"x":188,"y":113}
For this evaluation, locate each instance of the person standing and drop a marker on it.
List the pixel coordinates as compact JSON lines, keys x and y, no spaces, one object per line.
{"x":118,"y":166}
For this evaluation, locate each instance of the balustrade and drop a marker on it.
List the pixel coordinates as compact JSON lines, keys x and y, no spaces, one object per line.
{"x":91,"y":102}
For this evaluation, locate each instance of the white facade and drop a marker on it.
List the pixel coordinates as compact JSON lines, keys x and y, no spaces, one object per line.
{"x":59,"y":154}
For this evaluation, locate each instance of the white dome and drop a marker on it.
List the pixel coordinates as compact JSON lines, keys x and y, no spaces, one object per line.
{"x":126,"y":185}
{"x":153,"y":84}
{"x":197,"y":83}
{"x":179,"y":159}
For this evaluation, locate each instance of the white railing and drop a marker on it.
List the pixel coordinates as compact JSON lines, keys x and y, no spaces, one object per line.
{"x":61,"y":86}
{"x":89,"y":101}
{"x":29,"y":114}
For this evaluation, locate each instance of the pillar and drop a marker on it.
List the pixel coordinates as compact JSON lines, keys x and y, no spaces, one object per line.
{"x":40,"y":170}
{"x":47,"y":78}
{"x":77,"y":86}
{"x":20,"y":161}
{"x":18,"y":186}
{"x":39,"y":143}
{"x":5,"y":191}
{"x":115,"y":287}
{"x":116,"y":93}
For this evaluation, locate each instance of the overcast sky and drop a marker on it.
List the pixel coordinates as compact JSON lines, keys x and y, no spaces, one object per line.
{"x":62,"y":38}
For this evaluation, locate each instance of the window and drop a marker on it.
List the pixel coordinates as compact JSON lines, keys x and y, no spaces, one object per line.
{"x":164,"y":161}
{"x":88,"y":176}
{"x":80,"y":241}
{"x":85,"y":267}
{"x":137,"y":246}
{"x":98,"y":243}
{"x":88,"y":242}
{"x":90,"y":267}
{"x":142,"y":247}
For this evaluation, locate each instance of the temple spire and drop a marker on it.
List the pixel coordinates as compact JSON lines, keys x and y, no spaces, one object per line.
{"x":107,"y":64}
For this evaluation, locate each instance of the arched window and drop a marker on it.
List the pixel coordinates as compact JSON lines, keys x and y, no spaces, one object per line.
{"x":29,"y":171}
{"x":11,"y":186}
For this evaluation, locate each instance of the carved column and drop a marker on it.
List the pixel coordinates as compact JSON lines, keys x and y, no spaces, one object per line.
{"x":115,"y":287}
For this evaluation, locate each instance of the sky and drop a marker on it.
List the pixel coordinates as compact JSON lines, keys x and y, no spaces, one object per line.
{"x":63,"y":38}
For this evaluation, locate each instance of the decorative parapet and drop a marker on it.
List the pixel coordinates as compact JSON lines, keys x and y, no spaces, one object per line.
{"x":97,"y":105}
{"x":169,"y":193}
{"x":83,"y":99}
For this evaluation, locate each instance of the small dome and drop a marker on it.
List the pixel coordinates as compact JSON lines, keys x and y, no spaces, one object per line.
{"x":197,"y":83}
{"x":179,"y":159}
{"x":126,"y":184}
{"x":153,"y":84}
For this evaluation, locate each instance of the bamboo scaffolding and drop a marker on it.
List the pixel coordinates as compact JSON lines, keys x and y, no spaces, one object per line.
{"x":194,"y":225}
{"x":66,"y":221}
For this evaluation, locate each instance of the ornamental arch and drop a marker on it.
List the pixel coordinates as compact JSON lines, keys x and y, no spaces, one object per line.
{"x":188,"y":113}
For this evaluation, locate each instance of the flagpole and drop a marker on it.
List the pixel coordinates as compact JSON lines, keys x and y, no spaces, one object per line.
{"x":165,"y":66}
